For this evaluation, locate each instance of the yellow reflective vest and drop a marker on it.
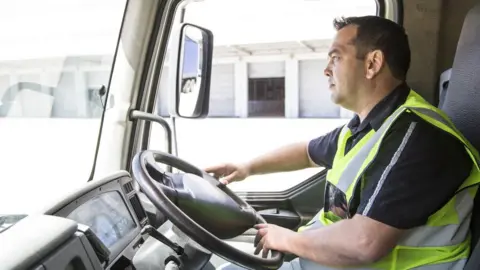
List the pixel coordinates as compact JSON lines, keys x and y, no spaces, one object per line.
{"x":442,"y":243}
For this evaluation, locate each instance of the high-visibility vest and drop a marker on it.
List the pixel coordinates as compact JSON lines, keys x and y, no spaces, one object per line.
{"x":442,"y":243}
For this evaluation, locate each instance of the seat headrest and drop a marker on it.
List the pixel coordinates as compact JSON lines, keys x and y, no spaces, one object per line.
{"x":462,"y":100}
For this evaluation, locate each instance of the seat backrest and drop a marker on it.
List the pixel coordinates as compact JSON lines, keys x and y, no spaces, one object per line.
{"x":443,"y":86}
{"x":462,"y":100}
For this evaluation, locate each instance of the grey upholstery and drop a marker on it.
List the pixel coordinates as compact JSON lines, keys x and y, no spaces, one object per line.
{"x":443,"y":86}
{"x":462,"y":102}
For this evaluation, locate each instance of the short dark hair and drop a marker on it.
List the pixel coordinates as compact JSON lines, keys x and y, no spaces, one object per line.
{"x":377,"y":33}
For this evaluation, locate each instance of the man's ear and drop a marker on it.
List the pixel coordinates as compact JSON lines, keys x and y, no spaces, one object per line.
{"x":374,"y":63}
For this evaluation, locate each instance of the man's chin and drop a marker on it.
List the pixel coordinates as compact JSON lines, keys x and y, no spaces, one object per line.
{"x":334,"y":98}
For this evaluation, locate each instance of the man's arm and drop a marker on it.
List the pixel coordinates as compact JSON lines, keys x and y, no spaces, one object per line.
{"x":350,"y":242}
{"x":297,"y":156}
{"x":418,"y":169}
{"x":286,"y":158}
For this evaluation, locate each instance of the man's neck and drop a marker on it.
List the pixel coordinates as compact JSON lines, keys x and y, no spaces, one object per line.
{"x":376,"y":95}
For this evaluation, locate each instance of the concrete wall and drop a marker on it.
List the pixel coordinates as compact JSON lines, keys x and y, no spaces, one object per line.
{"x":314,"y":94}
{"x":222,"y":91}
{"x":274,"y":69}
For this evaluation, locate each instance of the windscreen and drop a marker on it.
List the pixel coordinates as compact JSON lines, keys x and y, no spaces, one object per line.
{"x":55,"y":62}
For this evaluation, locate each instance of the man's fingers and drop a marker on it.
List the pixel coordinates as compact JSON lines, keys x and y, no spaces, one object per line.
{"x":228,"y":179}
{"x":260,"y":226}
{"x":257,"y":239}
{"x":265,"y":253}
{"x":213,"y":169}
{"x":224,"y":182}
{"x":259,"y":246}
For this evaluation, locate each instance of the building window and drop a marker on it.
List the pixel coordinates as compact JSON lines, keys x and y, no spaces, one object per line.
{"x":266,"y":97}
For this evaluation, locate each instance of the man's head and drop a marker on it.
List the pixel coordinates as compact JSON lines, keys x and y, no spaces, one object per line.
{"x":367,"y":53}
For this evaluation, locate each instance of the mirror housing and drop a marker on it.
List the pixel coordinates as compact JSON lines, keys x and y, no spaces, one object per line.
{"x":191,"y":94}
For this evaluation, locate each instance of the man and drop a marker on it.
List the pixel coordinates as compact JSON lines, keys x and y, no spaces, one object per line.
{"x":400,"y":184}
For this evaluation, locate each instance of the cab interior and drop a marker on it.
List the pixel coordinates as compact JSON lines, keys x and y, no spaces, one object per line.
{"x":186,"y":219}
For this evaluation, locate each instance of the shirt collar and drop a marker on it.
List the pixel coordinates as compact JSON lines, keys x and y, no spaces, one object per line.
{"x":381,"y":111}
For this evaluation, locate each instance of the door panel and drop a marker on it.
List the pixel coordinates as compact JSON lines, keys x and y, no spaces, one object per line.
{"x":291,"y":208}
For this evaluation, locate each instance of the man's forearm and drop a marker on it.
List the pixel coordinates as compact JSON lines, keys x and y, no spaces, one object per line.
{"x":340,"y":244}
{"x":287,"y":158}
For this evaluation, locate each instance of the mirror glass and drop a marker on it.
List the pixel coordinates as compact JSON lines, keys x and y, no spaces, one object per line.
{"x":191,"y":68}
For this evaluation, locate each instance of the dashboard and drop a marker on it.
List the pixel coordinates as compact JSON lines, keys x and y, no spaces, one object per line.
{"x":111,"y":208}
{"x":97,"y":227}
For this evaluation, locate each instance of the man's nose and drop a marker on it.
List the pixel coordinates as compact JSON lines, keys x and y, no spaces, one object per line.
{"x":327,"y":71}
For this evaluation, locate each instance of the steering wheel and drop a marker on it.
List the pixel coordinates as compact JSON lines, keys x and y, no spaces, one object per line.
{"x":200,"y":206}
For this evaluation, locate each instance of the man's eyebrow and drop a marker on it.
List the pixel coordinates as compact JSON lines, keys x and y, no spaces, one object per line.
{"x":332,"y":51}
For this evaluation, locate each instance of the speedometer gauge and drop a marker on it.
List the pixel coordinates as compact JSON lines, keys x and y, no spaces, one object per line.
{"x":104,"y":229}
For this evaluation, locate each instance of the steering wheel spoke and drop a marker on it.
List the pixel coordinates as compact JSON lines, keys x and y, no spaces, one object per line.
{"x":200,"y":206}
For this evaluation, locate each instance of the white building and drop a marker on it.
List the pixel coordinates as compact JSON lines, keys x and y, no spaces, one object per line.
{"x":281,"y":79}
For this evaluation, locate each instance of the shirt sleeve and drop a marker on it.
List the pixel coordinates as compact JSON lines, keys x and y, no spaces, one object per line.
{"x":322,"y":149}
{"x":418,"y":169}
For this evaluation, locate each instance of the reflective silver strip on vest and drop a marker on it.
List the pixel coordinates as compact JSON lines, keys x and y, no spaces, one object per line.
{"x":303,"y":264}
{"x":356,"y":163}
{"x":433,"y":115}
{"x":353,"y":167}
{"x":315,"y":222}
{"x":437,"y":117}
{"x":387,"y":170}
{"x":455,"y":265}
{"x":424,"y":236}
{"x":441,"y":236}
{"x":432,"y":236}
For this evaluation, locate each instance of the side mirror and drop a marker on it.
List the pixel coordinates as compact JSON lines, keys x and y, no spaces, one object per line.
{"x":194,"y":66}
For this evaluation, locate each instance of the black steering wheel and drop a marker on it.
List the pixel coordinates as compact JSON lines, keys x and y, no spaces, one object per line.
{"x":200,"y":206}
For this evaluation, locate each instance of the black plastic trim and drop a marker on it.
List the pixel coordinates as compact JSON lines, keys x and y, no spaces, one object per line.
{"x":139,"y":115}
{"x":294,"y":205}
{"x":400,"y":12}
{"x":398,"y":9}
{"x":283,"y":218}
{"x":380,"y":8}
{"x":201,"y":110}
{"x":84,"y":190}
{"x":286,"y":193}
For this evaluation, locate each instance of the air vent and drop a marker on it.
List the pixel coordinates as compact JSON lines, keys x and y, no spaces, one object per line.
{"x":128,"y":187}
{"x":138,"y":209}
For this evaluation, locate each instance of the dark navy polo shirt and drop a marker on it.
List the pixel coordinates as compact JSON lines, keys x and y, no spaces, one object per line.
{"x":404,"y":191}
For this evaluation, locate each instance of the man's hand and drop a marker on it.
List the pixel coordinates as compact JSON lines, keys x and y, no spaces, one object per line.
{"x":272,"y":237}
{"x":228,"y":173}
